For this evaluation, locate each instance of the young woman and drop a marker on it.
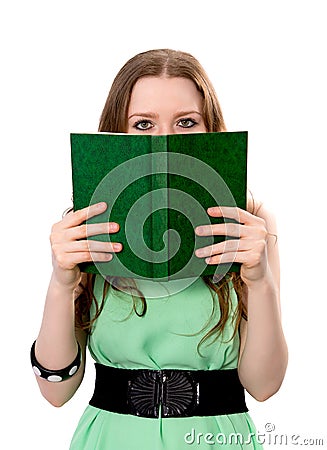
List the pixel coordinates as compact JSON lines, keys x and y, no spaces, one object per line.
{"x":200,"y":345}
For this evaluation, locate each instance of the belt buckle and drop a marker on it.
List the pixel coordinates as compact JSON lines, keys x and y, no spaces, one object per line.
{"x":175,"y":392}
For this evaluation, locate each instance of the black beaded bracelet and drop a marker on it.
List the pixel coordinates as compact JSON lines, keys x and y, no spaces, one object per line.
{"x":55,"y":376}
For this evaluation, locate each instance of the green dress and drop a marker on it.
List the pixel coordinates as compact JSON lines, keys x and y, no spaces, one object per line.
{"x":167,"y":336}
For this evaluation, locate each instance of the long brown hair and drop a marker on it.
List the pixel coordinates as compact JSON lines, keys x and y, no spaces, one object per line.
{"x":169,"y":63}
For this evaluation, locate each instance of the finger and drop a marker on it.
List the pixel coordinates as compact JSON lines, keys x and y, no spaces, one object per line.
{"x":87,"y":230}
{"x":249,"y":258}
{"x":81,"y":257}
{"x":70,"y":260}
{"x":77,"y":217}
{"x":238,"y":214}
{"x":230,"y":245}
{"x":101,"y":257}
{"x":223,"y":229}
{"x":230,"y":257}
{"x":93,"y":246}
{"x":225,"y":258}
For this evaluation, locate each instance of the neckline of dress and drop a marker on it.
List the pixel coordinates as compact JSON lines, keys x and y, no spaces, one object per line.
{"x":156,"y":289}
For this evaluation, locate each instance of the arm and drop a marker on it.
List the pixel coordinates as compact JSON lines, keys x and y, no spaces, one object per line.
{"x":263,"y":352}
{"x":56,"y":344}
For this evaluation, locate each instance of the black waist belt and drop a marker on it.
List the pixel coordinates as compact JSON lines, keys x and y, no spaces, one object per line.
{"x":169,"y":392}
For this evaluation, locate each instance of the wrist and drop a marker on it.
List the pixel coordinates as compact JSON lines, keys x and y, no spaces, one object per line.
{"x":55,"y":375}
{"x":263,"y":285}
{"x":62,"y":285}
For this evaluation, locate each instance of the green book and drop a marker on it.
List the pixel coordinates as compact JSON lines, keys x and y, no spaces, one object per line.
{"x":158,"y":189}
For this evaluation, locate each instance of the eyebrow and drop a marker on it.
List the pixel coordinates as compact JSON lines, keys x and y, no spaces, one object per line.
{"x":152,"y":115}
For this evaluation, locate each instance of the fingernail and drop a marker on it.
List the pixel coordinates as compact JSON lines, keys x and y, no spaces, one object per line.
{"x":117,"y":247}
{"x":114,"y":226}
{"x":199,"y":230}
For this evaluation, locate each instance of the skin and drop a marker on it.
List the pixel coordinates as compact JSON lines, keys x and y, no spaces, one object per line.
{"x":170,"y":106}
{"x":161,"y":105}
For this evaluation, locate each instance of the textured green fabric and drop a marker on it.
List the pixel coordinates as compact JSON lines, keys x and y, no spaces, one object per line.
{"x":178,"y":315}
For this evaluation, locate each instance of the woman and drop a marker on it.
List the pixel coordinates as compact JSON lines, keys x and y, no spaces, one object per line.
{"x":240,"y":337}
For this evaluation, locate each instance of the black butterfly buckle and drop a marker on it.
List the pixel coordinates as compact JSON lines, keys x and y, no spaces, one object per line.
{"x":163,"y":393}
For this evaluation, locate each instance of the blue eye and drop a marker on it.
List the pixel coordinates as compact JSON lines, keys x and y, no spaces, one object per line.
{"x":186,"y":123}
{"x":143,"y":125}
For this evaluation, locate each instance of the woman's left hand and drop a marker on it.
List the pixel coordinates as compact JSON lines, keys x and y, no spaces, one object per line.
{"x":249,"y":248}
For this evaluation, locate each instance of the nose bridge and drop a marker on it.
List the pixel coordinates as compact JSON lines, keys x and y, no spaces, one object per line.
{"x":165,"y":128}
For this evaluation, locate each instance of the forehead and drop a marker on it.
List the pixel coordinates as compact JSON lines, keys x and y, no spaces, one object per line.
{"x":151,"y":93}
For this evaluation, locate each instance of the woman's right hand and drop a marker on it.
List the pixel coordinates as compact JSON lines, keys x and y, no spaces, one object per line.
{"x":70,"y":246}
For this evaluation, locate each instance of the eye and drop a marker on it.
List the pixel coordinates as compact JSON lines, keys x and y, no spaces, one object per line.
{"x":186,"y":123}
{"x":143,"y":125}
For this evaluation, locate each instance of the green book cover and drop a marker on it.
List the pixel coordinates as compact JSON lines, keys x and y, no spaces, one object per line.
{"x":158,"y":189}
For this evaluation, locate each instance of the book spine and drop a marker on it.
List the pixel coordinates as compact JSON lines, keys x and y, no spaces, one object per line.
{"x":159,"y":211}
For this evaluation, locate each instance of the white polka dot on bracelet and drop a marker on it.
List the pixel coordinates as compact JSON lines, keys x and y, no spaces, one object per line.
{"x":54,"y":378}
{"x":72,"y":371}
{"x":36,"y":371}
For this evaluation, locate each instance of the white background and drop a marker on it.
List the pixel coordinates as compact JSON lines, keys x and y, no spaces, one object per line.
{"x":267,"y":60}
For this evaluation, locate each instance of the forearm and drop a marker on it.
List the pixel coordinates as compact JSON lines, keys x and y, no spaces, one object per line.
{"x":56,"y":345}
{"x":263,"y":360}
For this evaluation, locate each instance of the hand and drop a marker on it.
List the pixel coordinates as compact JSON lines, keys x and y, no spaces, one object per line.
{"x":70,"y":245}
{"x":249,"y":248}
